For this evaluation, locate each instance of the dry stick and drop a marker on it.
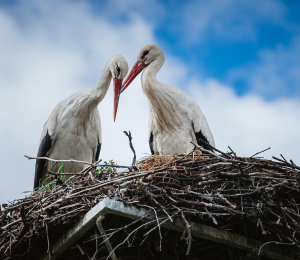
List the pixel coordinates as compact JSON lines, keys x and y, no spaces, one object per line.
{"x":79,"y":247}
{"x":226,"y":155}
{"x":225,"y":200}
{"x":157,"y":203}
{"x":274,"y":242}
{"x":83,"y":208}
{"x":95,"y":254}
{"x":72,"y":160}
{"x":11,"y":224}
{"x":14,"y":207}
{"x":260,"y":152}
{"x":52,"y":160}
{"x":209,"y":205}
{"x":115,"y":230}
{"x":217,"y":164}
{"x":70,"y":206}
{"x":210,"y":152}
{"x":114,"y":181}
{"x":65,"y":173}
{"x":126,"y":239}
{"x":188,"y":227}
{"x":131,"y":147}
{"x":160,"y":237}
{"x":48,"y":241}
{"x":287,"y":163}
{"x":232,"y":151}
{"x":166,"y":219}
{"x":10,"y":243}
{"x":283,"y":158}
{"x":84,"y":171}
{"x":249,"y":193}
{"x":114,"y":165}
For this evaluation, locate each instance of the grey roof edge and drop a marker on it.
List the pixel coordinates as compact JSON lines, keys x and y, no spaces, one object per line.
{"x":109,"y":206}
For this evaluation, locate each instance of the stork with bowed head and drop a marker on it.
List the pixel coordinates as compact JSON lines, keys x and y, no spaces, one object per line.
{"x":73,"y":129}
{"x":175,"y":119}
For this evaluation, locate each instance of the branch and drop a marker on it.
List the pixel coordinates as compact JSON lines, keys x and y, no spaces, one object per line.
{"x":131,"y":146}
{"x":217,"y":150}
{"x":72,"y":160}
{"x":260,"y":152}
{"x":210,"y":152}
{"x":49,"y":159}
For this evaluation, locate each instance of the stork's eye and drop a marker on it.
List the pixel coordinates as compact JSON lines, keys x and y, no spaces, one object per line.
{"x":118,"y":70}
{"x":144,"y":54}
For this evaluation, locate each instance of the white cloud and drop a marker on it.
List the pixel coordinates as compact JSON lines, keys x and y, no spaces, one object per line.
{"x":249,"y":124}
{"x":231,"y":19}
{"x":276,"y":73}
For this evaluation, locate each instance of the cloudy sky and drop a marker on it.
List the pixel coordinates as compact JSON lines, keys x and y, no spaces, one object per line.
{"x":239,"y":59}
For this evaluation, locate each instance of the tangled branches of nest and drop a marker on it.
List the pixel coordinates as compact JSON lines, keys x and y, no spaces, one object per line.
{"x":253,"y":197}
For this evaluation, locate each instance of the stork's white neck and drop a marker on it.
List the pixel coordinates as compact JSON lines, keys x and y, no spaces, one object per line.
{"x":161,"y":103}
{"x":149,"y":75}
{"x":89,"y":100}
{"x":99,"y":91}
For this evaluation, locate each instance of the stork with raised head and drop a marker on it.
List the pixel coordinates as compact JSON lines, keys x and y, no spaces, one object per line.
{"x":175,"y":119}
{"x":73,"y":129}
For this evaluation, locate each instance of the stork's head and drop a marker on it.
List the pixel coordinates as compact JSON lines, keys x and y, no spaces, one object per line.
{"x":148,"y":54}
{"x":118,"y":67}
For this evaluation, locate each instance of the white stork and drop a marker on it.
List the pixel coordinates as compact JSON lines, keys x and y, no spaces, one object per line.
{"x":175,"y":119}
{"x":73,"y":129}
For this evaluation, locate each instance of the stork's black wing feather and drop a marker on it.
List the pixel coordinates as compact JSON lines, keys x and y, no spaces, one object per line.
{"x":98,"y":151}
{"x":200,"y":136}
{"x":151,"y":143}
{"x":45,"y":146}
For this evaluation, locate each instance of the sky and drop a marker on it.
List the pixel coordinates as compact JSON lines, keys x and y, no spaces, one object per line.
{"x":239,"y":59}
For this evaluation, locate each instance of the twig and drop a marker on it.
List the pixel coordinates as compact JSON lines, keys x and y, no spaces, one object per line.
{"x":287,"y":163}
{"x":52,"y":160}
{"x":157,"y":203}
{"x":131,"y":146}
{"x":147,"y":223}
{"x":260,"y":152}
{"x":210,"y":152}
{"x":232,"y":151}
{"x":274,"y":242}
{"x":214,"y":148}
{"x":11,"y":224}
{"x":79,"y":247}
{"x":158,"y":224}
{"x":65,"y":173}
{"x":111,"y":182}
{"x":188,"y":228}
{"x":72,"y":160}
{"x":48,"y":240}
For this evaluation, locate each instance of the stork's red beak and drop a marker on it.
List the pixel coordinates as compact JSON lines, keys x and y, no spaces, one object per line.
{"x":117,"y":92}
{"x":136,"y":70}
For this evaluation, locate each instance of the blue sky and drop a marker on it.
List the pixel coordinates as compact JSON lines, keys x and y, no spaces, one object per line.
{"x":217,"y":39}
{"x":239,"y":59}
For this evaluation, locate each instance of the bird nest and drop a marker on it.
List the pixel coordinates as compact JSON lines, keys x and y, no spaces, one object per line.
{"x":252,"y":197}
